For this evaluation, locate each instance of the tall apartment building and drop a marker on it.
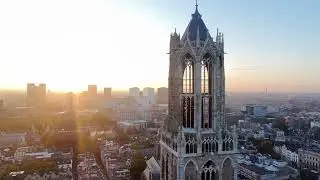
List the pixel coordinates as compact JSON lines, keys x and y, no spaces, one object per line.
{"x":148,"y":95}
{"x":92,"y":90}
{"x":36,"y":95}
{"x":89,"y":98}
{"x":134,"y":92}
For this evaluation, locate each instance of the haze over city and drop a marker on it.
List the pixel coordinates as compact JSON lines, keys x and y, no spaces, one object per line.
{"x":68,"y":44}
{"x":159,"y":90}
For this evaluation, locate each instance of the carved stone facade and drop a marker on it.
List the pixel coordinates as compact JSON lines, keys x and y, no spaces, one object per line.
{"x":195,"y":142}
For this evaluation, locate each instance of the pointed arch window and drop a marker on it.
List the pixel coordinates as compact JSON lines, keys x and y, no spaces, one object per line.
{"x":206,"y":106}
{"x":204,"y":78}
{"x":188,"y":83}
{"x":206,"y":99}
{"x":188,"y":90}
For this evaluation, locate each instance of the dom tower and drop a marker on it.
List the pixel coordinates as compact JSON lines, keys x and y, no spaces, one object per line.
{"x":195,"y":142}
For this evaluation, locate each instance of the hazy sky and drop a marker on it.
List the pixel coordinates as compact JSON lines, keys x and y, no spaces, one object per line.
{"x":123,"y":43}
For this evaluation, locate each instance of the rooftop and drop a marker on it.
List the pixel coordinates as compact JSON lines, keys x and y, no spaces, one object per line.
{"x":153,"y":165}
{"x":196,"y":28}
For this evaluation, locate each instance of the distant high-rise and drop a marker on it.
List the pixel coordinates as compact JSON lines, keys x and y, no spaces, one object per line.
{"x":92,"y":96}
{"x":69,"y":104}
{"x":162,"y":95}
{"x":92,"y":90}
{"x":134,"y":92}
{"x":107,"y":93}
{"x":36,"y":95}
{"x":148,"y":95}
{"x":2,"y":104}
{"x":83,"y":100}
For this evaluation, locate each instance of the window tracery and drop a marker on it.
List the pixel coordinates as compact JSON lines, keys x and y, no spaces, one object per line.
{"x":191,"y":146}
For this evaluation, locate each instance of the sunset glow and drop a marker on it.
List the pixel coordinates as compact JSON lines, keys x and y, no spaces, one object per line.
{"x":69,"y":44}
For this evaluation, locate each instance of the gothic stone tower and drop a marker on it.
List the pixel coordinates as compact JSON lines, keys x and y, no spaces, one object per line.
{"x":195,"y":142}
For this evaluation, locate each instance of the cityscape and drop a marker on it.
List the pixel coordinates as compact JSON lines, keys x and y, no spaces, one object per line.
{"x":191,"y":127}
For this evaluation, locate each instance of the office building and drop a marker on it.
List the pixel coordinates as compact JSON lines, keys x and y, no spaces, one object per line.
{"x":195,"y":143}
{"x":162,"y":95}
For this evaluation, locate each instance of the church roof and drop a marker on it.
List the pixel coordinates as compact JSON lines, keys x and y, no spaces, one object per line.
{"x":196,"y":27}
{"x":153,"y":165}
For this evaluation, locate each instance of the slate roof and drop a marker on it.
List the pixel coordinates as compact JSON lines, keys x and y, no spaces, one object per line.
{"x":196,"y":24}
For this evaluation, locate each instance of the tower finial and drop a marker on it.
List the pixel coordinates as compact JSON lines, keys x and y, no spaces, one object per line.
{"x":196,"y":13}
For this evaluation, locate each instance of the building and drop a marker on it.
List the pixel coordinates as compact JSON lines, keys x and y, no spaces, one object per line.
{"x":83,"y":100}
{"x":148,"y":96}
{"x":70,"y":112}
{"x":257,"y":167}
{"x":66,"y":175}
{"x":162,"y":95}
{"x":314,"y":124}
{"x":2,"y":104}
{"x":195,"y":143}
{"x":21,"y":152}
{"x":116,"y":160}
{"x":134,"y":92}
{"x":12,"y":139}
{"x":309,"y":158}
{"x":88,"y":168}
{"x":290,"y":154}
{"x":69,"y":103}
{"x":152,"y":171}
{"x":107,"y":93}
{"x":280,"y":136}
{"x":257,"y":111}
{"x":136,"y":124}
{"x":36,"y":95}
{"x":89,"y":99}
{"x":92,"y":90}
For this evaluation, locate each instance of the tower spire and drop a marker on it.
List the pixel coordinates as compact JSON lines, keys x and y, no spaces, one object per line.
{"x":196,"y":13}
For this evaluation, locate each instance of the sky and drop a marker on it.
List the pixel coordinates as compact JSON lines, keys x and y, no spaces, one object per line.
{"x":69,"y":44}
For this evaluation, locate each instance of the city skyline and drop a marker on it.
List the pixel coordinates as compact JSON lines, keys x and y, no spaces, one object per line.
{"x":75,"y":43}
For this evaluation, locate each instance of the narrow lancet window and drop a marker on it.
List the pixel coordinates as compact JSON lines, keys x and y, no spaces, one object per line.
{"x":204,"y":78}
{"x":206,"y":98}
{"x":188,"y":98}
{"x":188,"y":78}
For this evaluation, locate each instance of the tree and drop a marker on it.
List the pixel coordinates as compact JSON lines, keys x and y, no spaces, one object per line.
{"x":264,"y":147}
{"x":138,"y":165}
{"x":281,"y":124}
